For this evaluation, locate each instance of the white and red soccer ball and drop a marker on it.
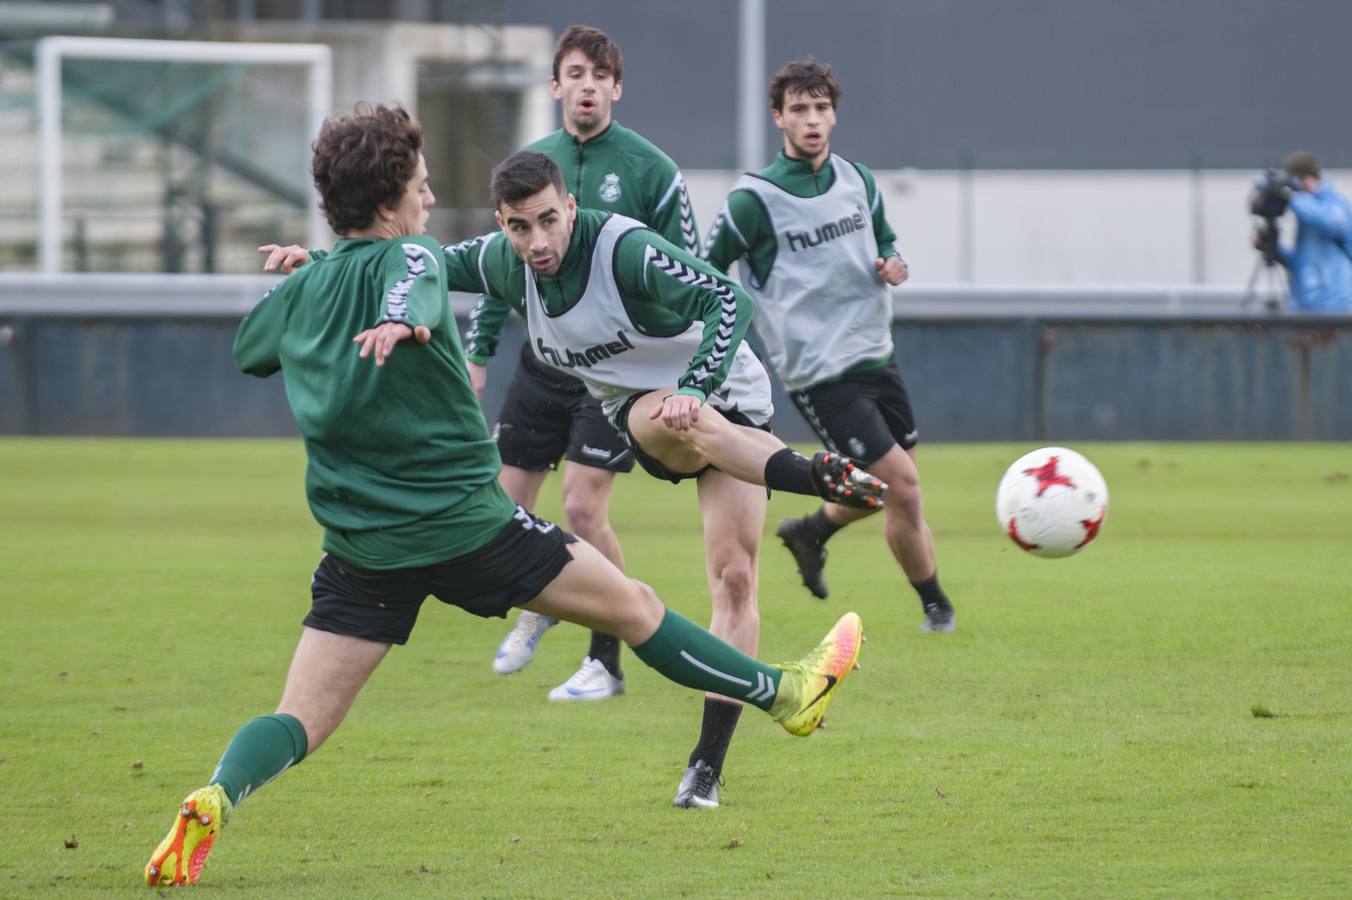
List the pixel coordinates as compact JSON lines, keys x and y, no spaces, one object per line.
{"x":1051,"y":502}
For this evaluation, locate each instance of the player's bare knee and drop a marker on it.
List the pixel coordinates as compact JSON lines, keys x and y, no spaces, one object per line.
{"x":584,"y":513}
{"x":903,"y":495}
{"x":647,"y":596}
{"x":638,"y":616}
{"x":737,"y":585}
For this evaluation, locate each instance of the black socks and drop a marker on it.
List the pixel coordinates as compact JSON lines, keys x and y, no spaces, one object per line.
{"x":605,"y":648}
{"x":790,"y":471}
{"x":720,"y":721}
{"x":819,"y":526}
{"x":931,"y":595}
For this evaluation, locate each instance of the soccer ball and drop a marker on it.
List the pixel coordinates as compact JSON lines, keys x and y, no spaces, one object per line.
{"x":1051,"y":502}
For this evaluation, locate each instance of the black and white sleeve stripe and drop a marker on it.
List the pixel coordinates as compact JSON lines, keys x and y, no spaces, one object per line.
{"x":727,"y":317}
{"x":689,"y":238}
{"x":472,"y":333}
{"x":724,"y":220}
{"x":396,"y":301}
{"x":688,"y":221}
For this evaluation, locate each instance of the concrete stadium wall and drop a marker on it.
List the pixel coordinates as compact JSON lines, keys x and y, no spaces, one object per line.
{"x":974,"y":378}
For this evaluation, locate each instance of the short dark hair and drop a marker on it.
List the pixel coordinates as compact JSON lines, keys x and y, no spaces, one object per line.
{"x":595,"y":45}
{"x":1300,"y":164}
{"x":364,"y":161}
{"x":804,"y":76}
{"x":523,"y":175}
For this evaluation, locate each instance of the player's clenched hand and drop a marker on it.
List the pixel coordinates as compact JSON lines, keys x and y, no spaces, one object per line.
{"x":288,"y":258}
{"x":478,"y":378}
{"x":678,"y":411}
{"x":892,"y":270}
{"x":381,"y":339}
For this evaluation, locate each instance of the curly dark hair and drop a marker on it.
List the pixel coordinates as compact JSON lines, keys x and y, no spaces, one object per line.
{"x":364,"y":161}
{"x":804,"y":76}
{"x":595,"y":45}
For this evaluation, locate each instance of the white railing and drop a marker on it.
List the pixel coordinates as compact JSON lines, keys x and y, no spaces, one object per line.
{"x":108,"y":294}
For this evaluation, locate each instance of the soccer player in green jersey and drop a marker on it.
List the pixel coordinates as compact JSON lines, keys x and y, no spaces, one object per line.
{"x":820,"y":275}
{"x":402,"y":475}
{"x":548,"y":414}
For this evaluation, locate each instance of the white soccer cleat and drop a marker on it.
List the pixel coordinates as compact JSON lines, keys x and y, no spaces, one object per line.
{"x":518,"y":647}
{"x":591,"y":682}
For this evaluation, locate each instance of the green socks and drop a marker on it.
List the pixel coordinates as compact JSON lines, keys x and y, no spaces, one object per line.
{"x":261,"y":750}
{"x":691,"y":656}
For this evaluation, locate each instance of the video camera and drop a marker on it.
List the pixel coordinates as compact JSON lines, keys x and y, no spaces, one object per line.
{"x":1268,"y":200}
{"x":1271,"y":193}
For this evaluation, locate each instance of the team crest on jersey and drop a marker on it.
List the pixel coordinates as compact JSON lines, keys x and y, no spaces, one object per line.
{"x":610,"y":188}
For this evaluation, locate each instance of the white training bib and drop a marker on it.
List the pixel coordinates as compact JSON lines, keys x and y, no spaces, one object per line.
{"x":594,"y":340}
{"x":823,"y":307}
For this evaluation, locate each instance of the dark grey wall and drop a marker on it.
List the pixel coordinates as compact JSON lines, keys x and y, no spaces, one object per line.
{"x":949,"y":83}
{"x":1002,"y":83}
{"x":1059,"y":379}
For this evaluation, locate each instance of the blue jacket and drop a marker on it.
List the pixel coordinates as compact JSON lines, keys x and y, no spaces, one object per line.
{"x":1320,"y":264}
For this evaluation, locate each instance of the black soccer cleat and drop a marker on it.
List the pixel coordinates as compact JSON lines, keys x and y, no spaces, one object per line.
{"x":939,"y":617}
{"x":699,"y":787}
{"x":809,"y":554}
{"x":837,"y":480}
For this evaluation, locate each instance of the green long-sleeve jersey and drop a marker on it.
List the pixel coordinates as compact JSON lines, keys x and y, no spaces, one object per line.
{"x":401,"y":468}
{"x":743,"y":229}
{"x":621,"y":171}
{"x":663,"y":288}
{"x":616,"y":171}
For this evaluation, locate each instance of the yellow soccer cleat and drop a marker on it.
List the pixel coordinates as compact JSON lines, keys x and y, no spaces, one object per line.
{"x":180,"y":856}
{"x":819,"y":674}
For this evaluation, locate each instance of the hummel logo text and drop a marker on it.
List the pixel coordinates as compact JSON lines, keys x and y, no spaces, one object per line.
{"x":587,"y":357}
{"x":801,"y":240}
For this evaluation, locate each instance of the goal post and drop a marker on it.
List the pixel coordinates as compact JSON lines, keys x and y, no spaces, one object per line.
{"x":52,"y":51}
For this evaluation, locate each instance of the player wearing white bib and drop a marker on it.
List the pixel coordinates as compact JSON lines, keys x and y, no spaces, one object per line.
{"x":656,"y":336}
{"x":817,"y":254}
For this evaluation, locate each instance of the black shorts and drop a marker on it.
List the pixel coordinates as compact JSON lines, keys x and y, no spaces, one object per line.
{"x":509,"y":570}
{"x":861,"y":415}
{"x":652,"y":466}
{"x":548,"y":415}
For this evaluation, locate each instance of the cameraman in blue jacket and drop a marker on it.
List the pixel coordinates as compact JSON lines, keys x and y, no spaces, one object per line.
{"x":1321,"y":262}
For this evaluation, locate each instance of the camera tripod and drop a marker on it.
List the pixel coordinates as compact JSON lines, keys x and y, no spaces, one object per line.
{"x":1272,"y":286}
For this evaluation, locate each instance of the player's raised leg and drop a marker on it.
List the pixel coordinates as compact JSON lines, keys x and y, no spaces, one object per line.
{"x":689,"y":440}
{"x":733,"y":515}
{"x":327,"y":672}
{"x":592,"y":592}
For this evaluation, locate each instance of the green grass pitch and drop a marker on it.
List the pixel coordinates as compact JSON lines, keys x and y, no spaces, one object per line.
{"x":1167,"y":714}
